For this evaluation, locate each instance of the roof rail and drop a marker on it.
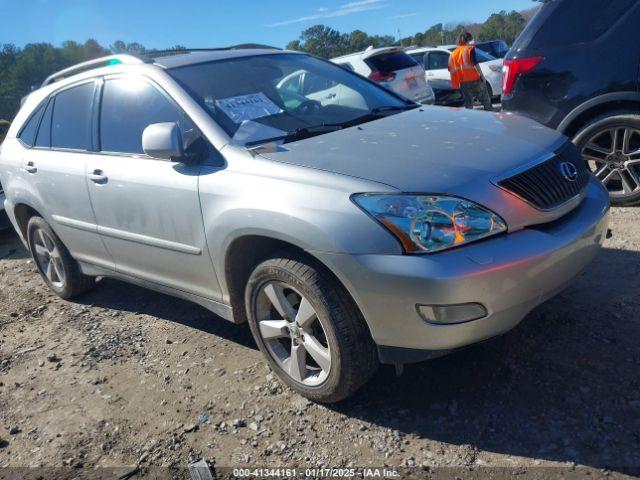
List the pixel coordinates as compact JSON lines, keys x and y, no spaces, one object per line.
{"x":91,"y":64}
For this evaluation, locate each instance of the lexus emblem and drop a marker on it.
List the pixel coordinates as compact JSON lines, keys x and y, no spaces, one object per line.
{"x":569,"y":171}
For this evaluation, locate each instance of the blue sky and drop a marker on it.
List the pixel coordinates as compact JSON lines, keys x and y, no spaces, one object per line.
{"x":208,"y":23}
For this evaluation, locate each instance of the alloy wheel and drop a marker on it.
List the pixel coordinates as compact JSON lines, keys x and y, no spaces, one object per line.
{"x":48,"y":257}
{"x":293,"y":333}
{"x":613,"y":155}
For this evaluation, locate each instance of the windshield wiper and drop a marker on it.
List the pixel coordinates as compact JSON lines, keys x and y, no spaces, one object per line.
{"x":298,"y":134}
{"x":307,"y":132}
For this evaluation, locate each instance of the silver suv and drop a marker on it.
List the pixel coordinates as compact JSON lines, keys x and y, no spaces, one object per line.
{"x":347,"y":230}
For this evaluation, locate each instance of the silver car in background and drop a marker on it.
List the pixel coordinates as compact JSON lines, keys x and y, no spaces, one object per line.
{"x":346,"y":233}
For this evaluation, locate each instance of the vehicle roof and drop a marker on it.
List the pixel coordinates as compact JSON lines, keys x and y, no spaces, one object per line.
{"x":427,"y":49}
{"x":369,"y":52}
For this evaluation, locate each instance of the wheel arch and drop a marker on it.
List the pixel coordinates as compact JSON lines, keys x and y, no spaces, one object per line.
{"x":598,"y":106}
{"x":246,"y":252}
{"x":23,"y":212}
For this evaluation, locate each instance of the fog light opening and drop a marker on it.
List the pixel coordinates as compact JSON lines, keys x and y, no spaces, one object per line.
{"x":451,"y":314}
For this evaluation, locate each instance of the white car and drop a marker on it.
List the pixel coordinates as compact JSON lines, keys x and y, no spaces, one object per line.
{"x":435,"y":61}
{"x":393,"y":69}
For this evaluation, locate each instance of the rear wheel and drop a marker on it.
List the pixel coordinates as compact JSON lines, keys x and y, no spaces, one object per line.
{"x":54,"y":262}
{"x":312,"y":333}
{"x":611,"y":147}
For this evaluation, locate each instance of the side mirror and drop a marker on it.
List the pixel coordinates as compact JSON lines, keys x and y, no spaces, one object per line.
{"x":163,"y":140}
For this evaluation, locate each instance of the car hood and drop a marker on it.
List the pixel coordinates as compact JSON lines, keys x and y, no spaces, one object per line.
{"x":431,"y":149}
{"x":435,"y":150}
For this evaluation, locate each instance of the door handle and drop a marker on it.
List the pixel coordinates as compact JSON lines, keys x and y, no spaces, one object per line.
{"x":30,"y":167}
{"x":97,"y":176}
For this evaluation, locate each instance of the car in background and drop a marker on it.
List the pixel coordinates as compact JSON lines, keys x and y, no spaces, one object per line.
{"x":435,"y":61}
{"x":575,"y":68}
{"x":392,"y":68}
{"x":4,"y":220}
{"x":445,"y":94}
{"x":495,"y":48}
{"x":4,"y":128}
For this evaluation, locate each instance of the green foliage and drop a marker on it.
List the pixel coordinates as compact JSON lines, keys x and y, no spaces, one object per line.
{"x":24,"y":69}
{"x":503,"y":25}
{"x":326,"y":42}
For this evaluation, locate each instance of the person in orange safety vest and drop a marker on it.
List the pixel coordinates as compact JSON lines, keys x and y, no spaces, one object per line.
{"x":466,"y":73}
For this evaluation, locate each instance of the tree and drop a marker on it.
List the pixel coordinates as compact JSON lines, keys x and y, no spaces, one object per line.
{"x":503,"y":25}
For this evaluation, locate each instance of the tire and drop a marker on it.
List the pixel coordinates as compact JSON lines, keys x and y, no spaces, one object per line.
{"x":621,"y":178}
{"x":490,"y":91}
{"x":65,"y":278}
{"x":342,"y":329}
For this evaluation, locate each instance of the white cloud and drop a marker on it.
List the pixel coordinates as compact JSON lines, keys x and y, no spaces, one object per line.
{"x":403,"y":15}
{"x":341,"y":11}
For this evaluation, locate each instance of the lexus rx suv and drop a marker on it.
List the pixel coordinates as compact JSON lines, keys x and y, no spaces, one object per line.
{"x":576,"y":68}
{"x":364,"y":230}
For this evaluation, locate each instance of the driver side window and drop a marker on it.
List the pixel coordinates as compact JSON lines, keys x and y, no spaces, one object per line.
{"x":129,"y":105}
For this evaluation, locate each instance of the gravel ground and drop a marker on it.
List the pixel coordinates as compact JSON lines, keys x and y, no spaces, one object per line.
{"x":126,"y":378}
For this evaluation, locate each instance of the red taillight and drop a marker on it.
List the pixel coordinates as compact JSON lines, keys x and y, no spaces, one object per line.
{"x":382,"y":76}
{"x":512,"y":69}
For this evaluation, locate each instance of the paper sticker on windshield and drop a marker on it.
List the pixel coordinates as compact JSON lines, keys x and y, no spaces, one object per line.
{"x":247,"y":107}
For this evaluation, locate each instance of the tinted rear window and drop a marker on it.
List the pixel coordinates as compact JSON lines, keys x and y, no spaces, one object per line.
{"x":569,"y":22}
{"x":44,"y":132}
{"x":72,"y":118}
{"x":28,"y":133}
{"x":391,"y":62}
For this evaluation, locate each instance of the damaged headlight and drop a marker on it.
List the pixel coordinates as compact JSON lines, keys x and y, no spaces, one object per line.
{"x":431,"y":223}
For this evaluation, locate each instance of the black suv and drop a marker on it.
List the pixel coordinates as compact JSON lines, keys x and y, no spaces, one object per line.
{"x":575,"y":68}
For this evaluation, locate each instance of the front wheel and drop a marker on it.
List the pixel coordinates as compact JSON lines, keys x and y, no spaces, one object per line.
{"x":310,"y":330}
{"x":611,"y":147}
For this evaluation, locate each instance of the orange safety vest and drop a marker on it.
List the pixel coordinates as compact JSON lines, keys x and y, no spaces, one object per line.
{"x":460,"y":66}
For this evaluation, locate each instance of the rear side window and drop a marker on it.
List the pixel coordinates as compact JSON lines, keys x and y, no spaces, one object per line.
{"x":28,"y":133}
{"x":346,"y":66}
{"x":128,"y":107}
{"x":391,"y":62}
{"x":71,"y":127}
{"x":570,"y":22}
{"x":44,"y":132}
{"x":438,"y":60}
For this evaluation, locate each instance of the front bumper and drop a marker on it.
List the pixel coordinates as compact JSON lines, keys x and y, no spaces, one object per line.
{"x":509,"y":275}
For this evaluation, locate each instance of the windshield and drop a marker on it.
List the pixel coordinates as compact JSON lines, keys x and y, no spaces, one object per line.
{"x":266,"y":96}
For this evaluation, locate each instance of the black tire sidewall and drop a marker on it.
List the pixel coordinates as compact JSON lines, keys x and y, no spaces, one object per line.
{"x":617,"y":119}
{"x":39,"y":223}
{"x":269,"y":271}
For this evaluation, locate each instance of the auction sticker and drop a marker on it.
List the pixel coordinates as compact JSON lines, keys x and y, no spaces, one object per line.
{"x":247,"y":107}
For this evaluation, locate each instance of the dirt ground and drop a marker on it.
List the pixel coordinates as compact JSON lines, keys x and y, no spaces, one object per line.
{"x":124,"y":378}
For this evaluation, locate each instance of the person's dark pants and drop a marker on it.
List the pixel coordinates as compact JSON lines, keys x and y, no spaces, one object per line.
{"x":476,"y":89}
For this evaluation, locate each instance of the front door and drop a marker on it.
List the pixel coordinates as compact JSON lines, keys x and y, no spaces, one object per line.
{"x":147,"y":210}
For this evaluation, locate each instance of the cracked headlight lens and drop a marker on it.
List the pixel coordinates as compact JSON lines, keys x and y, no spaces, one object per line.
{"x":431,"y":223}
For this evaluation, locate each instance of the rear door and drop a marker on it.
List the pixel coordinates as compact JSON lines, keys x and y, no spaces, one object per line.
{"x":148,"y":210}
{"x":437,"y":65}
{"x":56,"y":167}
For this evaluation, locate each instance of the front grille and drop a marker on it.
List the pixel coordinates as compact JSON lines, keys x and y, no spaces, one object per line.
{"x":545,"y":186}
